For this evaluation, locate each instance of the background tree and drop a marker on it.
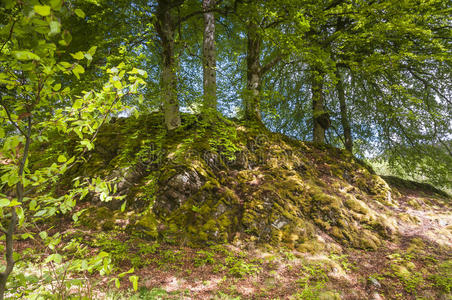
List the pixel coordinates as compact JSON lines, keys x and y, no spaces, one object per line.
{"x":209,"y":57}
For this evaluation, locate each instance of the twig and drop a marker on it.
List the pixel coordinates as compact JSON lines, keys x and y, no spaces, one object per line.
{"x":9,"y":36}
{"x":11,"y":120}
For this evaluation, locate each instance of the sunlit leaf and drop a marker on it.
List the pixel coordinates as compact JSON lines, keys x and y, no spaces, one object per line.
{"x":134,"y":280}
{"x":26,"y":55}
{"x":78,"y":56}
{"x":79,"y":13}
{"x":4,"y":202}
{"x":43,"y":10}
{"x":55,"y":27}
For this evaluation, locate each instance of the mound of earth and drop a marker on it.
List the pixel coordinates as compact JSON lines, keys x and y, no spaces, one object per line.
{"x":229,"y":182}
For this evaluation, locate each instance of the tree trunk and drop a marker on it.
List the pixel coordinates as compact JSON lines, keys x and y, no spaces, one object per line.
{"x":253,"y":86}
{"x":317,"y":107}
{"x":344,"y":114}
{"x":9,"y":249}
{"x":166,"y":30}
{"x":209,"y":58}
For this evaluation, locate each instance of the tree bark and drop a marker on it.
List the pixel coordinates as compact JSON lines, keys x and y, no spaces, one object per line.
{"x":253,"y":85}
{"x":318,"y":103}
{"x":166,"y":30}
{"x":9,"y":251}
{"x":209,"y":58}
{"x":344,"y":113}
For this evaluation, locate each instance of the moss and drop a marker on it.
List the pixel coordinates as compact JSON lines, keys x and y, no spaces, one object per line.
{"x":337,"y":233}
{"x":382,"y":227}
{"x":416,"y":245}
{"x":147,"y":224}
{"x":408,"y":218}
{"x":414,"y":203}
{"x":329,"y":295}
{"x":98,"y":218}
{"x":311,"y":246}
{"x":276,"y":189}
{"x":368,"y":241}
{"x":356,"y":205}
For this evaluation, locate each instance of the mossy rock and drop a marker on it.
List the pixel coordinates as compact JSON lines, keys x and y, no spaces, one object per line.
{"x":213,"y":181}
{"x":146,"y":226}
{"x":98,"y":218}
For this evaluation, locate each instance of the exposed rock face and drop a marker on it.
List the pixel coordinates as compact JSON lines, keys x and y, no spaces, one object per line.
{"x":176,"y":191}
{"x":211,"y":185}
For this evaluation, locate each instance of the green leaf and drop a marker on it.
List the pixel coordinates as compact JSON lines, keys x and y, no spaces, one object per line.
{"x":67,"y":38}
{"x":25,"y":55}
{"x":131,"y":270}
{"x":33,"y":204}
{"x":55,"y":27}
{"x":56,"y":87}
{"x":113,"y":70}
{"x":92,"y":50}
{"x":54,"y":257}
{"x":102,"y":254}
{"x":77,"y":70}
{"x":78,"y":56}
{"x":79,"y":13}
{"x":21,"y":215}
{"x":25,"y":236}
{"x":14,"y":203}
{"x":117,"y":284}
{"x":88,"y":57}
{"x":123,"y":206}
{"x":43,"y":235}
{"x":65,"y":64}
{"x":117,"y":84}
{"x":134,"y":280}
{"x":87,"y":144}
{"x":56,"y":4}
{"x":43,"y":10}
{"x":77,"y":104}
{"x":2,"y":133}
{"x":62,"y":159}
{"x":16,"y":256}
{"x":139,"y":72}
{"x":4,"y":202}
{"x":40,"y":213}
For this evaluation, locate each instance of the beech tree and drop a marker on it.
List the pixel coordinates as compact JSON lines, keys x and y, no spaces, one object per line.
{"x":166,"y":26}
{"x":209,"y":57}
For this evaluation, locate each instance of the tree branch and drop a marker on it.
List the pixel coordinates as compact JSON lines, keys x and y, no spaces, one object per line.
{"x":9,"y":36}
{"x":10,"y":119}
{"x":270,"y":64}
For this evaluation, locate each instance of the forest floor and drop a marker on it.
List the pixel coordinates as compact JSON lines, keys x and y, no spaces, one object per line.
{"x":415,"y":265}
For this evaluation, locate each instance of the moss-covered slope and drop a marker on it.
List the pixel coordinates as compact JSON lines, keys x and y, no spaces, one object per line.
{"x":215,"y":183}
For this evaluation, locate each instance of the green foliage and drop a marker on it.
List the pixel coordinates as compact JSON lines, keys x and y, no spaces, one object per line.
{"x":343,"y":261}
{"x":443,"y":279}
{"x":403,"y":269}
{"x":312,"y":281}
{"x":237,"y":266}
{"x":117,"y":249}
{"x":224,"y":140}
{"x":36,"y":102}
{"x":204,"y":258}
{"x":147,"y":294}
{"x":61,"y":275}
